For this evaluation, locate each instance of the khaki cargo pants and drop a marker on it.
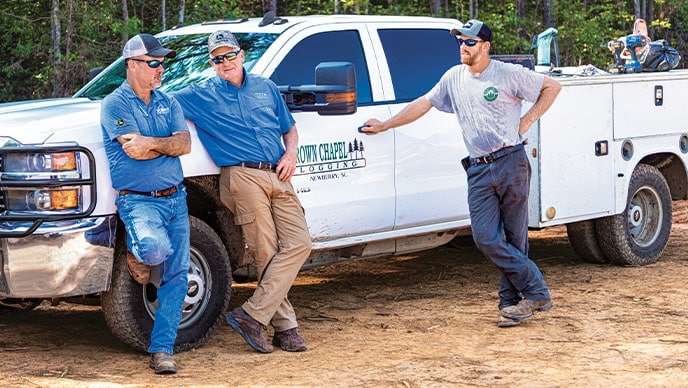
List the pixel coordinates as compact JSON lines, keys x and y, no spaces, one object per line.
{"x":274,"y":227}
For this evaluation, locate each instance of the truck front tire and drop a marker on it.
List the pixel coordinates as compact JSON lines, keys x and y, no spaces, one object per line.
{"x":639,"y":235}
{"x":129,"y":308}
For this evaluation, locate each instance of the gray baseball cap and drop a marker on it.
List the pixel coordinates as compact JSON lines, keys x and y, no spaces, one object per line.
{"x":146,"y":44}
{"x":222,"y":38}
{"x":474,"y":29}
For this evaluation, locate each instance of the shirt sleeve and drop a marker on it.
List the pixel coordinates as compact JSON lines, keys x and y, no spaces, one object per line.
{"x":529,"y":83}
{"x":439,"y":95}
{"x":185,"y":99}
{"x":178,"y":123}
{"x":117,"y":117}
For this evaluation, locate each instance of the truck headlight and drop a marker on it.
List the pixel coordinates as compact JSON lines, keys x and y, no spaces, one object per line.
{"x":41,"y":184}
{"x":41,"y":200}
{"x":40,"y":162}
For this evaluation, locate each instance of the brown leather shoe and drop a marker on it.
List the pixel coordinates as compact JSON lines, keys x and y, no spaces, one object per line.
{"x":526,"y":308}
{"x":163,"y":363}
{"x":250,"y":329}
{"x":507,"y":322}
{"x":139,"y":272}
{"x":289,"y":340}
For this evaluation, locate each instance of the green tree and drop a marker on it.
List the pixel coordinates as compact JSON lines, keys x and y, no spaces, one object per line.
{"x":49,"y":46}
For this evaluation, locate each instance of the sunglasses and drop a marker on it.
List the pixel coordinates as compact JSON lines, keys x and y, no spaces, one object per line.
{"x":469,"y":42}
{"x":153,"y":63}
{"x":230,"y":56}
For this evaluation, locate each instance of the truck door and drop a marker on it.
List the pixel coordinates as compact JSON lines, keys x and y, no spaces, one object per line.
{"x":344,"y":179}
{"x":430,"y":182}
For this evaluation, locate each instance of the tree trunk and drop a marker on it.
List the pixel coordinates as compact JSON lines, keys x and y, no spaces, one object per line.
{"x":64,"y":88}
{"x":547,"y":13}
{"x":473,"y":9}
{"x":125,"y":21}
{"x":650,"y":18}
{"x":182,"y":9}
{"x":521,"y":15}
{"x":272,"y":6}
{"x":435,"y":7}
{"x":336,"y":7}
{"x":164,"y":17}
{"x":56,"y":35}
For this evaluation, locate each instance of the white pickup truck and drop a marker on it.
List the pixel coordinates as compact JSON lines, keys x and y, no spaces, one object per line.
{"x":607,"y":160}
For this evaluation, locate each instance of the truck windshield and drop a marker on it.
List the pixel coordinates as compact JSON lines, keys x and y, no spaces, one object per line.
{"x":189,"y":66}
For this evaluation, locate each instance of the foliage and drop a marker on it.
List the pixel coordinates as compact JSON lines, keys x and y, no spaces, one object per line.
{"x":28,"y":69}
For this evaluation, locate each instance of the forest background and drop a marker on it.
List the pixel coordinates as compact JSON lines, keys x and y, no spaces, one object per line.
{"x":48,"y":46}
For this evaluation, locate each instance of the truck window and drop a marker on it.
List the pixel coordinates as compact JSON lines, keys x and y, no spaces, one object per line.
{"x":417,"y":58}
{"x":298,"y":67}
{"x":189,"y":66}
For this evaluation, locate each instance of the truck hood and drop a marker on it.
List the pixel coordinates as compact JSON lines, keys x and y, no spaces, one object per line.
{"x":34,"y":122}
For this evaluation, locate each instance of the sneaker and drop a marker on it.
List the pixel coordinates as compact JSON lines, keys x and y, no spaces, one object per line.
{"x":139,"y":272}
{"x":526,"y":308}
{"x":250,"y":329}
{"x":289,"y":340}
{"x":163,"y":363}
{"x":507,"y":322}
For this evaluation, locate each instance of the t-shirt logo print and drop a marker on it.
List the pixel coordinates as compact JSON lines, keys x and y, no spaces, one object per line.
{"x":490,"y":93}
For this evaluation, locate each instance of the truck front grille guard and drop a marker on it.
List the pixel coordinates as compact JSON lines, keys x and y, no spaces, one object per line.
{"x":37,"y":218}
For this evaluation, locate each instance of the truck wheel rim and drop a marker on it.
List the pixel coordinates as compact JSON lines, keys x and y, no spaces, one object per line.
{"x":196,"y":300}
{"x":645,"y":216}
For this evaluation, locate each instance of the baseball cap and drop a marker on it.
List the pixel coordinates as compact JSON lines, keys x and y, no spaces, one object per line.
{"x":475,"y":29}
{"x":146,"y":44}
{"x":222,"y":38}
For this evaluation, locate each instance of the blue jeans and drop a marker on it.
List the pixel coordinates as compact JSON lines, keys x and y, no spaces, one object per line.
{"x":498,"y":205}
{"x":158,"y":234}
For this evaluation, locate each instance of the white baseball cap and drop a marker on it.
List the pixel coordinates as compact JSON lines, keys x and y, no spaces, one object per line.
{"x":146,"y":44}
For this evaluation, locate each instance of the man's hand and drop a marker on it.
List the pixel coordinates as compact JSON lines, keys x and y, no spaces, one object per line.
{"x":286,"y":166}
{"x":372,"y":127}
{"x":138,"y":147}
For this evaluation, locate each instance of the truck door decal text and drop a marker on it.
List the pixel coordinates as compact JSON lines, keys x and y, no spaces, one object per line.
{"x":330,"y":157}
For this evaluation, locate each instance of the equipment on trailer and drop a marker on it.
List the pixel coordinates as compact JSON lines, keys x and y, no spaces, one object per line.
{"x":625,"y":57}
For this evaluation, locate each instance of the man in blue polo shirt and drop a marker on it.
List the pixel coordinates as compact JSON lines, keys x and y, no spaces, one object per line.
{"x":144,"y":134}
{"x":243,"y":121}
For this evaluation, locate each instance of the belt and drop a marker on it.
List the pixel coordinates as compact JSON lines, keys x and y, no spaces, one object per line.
{"x":157,"y":194}
{"x":260,"y":165}
{"x":491,"y":157}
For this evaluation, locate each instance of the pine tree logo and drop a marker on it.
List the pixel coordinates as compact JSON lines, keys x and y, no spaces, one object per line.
{"x":355,"y":148}
{"x":490,"y":94}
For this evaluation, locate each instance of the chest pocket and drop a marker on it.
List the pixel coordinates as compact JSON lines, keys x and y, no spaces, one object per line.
{"x":263,"y":116}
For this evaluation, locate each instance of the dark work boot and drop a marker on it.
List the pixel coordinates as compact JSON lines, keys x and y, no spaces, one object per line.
{"x":289,"y":340}
{"x":250,"y":329}
{"x":526,"y":308}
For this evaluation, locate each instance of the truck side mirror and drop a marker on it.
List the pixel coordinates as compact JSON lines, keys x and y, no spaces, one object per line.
{"x":94,"y":72}
{"x":334,"y":92}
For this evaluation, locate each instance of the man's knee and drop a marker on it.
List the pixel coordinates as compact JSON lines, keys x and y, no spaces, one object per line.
{"x":153,"y":251}
{"x":485,"y":239}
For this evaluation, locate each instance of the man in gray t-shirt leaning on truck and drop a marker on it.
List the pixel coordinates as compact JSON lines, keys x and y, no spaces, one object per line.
{"x":486,"y":96}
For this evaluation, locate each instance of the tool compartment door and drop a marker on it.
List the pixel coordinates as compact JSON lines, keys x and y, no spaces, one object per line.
{"x":650,"y":104}
{"x":569,"y":177}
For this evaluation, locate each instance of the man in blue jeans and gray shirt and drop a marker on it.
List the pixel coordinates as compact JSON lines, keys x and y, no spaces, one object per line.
{"x":485,"y":96}
{"x":144,"y":132}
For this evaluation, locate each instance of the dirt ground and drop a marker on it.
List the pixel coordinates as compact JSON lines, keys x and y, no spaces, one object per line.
{"x":420,"y":320}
